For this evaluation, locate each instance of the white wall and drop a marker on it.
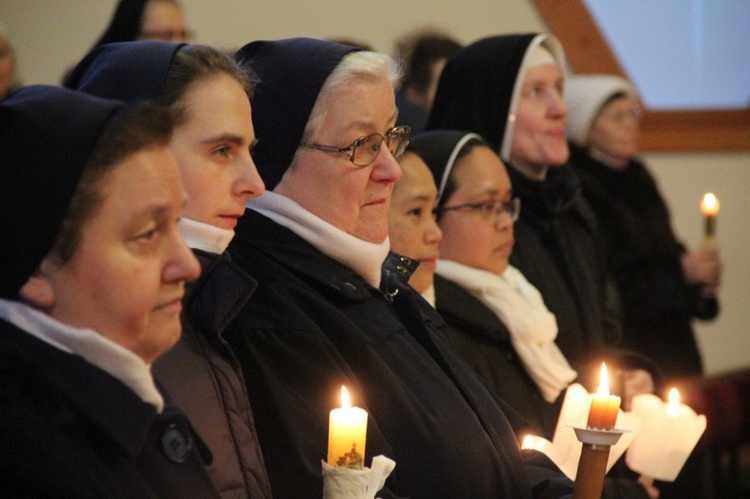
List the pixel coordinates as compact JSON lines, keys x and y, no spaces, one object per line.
{"x":684,"y":178}
{"x":50,"y":35}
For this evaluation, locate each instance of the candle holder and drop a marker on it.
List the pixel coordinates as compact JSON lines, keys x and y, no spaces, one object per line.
{"x":565,"y":449}
{"x":593,"y":463}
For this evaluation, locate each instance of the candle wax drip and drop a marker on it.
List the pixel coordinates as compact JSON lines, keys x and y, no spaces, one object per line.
{"x":352,"y":459}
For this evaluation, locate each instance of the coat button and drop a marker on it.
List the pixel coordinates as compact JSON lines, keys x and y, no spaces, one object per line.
{"x":401,"y":269}
{"x":350,"y":286}
{"x":406,"y":260}
{"x":176,"y":444}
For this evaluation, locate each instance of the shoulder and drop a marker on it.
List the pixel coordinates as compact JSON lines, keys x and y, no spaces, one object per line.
{"x":464,"y":312}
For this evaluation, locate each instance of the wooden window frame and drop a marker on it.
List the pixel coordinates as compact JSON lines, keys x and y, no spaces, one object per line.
{"x":588,"y":52}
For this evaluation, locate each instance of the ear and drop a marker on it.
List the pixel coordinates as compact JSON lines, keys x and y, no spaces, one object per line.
{"x":38,"y":292}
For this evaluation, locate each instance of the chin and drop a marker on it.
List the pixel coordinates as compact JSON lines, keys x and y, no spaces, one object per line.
{"x":372,"y":234}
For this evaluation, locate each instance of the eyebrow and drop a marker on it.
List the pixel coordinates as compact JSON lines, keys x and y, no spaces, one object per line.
{"x":225,"y":137}
{"x":368,"y":124}
{"x":493,"y":193}
{"x":419,"y":197}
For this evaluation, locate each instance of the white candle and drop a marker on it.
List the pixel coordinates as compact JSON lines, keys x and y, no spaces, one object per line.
{"x":710,"y":210}
{"x":347,"y":434}
{"x":574,"y":412}
{"x":668,"y":435}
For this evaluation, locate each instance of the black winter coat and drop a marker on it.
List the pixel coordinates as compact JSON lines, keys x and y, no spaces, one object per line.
{"x":70,"y":430}
{"x":560,"y":252}
{"x":313,"y":325}
{"x":204,"y":379}
{"x":643,"y":256}
{"x":482,"y":339}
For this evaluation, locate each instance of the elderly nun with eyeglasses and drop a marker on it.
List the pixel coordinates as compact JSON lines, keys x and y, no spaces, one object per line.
{"x":333,"y":306}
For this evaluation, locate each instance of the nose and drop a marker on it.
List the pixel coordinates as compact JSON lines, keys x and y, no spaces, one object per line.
{"x":386,"y":168}
{"x":558,"y":108}
{"x":249,"y":184}
{"x":504,"y":221}
{"x":181,"y":263}
{"x":433,"y":234}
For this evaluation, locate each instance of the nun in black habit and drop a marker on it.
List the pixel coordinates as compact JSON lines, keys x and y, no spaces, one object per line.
{"x":206,"y":91}
{"x":83,"y":191}
{"x":325,"y":314}
{"x":485,"y":88}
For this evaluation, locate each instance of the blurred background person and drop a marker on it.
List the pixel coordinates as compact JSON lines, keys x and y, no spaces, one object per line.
{"x":422,"y":55}
{"x":206,"y":92}
{"x":133,"y":20}
{"x":662,"y":286}
{"x":8,"y":82}
{"x":146,"y":20}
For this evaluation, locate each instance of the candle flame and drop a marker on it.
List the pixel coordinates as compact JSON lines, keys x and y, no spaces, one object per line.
{"x":603,"y":381}
{"x":674,"y":403}
{"x":709,"y":205}
{"x":345,"y":400}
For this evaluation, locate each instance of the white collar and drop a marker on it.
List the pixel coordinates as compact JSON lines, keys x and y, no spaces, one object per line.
{"x":108,"y":356}
{"x":363,"y":257}
{"x":203,"y":236}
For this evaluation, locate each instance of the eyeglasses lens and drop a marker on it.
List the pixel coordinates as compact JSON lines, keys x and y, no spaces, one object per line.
{"x":368,"y":148}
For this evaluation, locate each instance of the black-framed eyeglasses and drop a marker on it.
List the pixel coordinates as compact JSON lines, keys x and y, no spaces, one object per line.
{"x":364,"y":150}
{"x":490,"y":210}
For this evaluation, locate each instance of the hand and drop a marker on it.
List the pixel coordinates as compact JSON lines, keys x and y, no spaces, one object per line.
{"x":703,"y":267}
{"x":648,"y":484}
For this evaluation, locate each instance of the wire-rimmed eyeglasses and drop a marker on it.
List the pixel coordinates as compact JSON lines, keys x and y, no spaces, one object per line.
{"x":364,"y":150}
{"x":490,"y":210}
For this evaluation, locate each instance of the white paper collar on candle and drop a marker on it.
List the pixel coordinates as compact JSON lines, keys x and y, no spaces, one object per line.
{"x":345,"y":483}
{"x":565,"y":449}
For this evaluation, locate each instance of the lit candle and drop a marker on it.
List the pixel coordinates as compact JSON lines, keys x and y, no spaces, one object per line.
{"x":673,"y":409}
{"x":668,"y":435}
{"x":604,"y":407}
{"x":347,"y":434}
{"x":573,"y":413}
{"x":710,"y":210}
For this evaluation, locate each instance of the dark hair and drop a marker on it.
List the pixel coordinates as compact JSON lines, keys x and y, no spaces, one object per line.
{"x":145,"y":126}
{"x":418,"y":56}
{"x":194,"y":63}
{"x":451,"y":185}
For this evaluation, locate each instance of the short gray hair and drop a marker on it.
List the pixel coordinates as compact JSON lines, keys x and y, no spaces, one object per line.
{"x":354,"y":67}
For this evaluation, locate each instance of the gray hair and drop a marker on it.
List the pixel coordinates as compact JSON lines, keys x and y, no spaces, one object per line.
{"x":354,"y":67}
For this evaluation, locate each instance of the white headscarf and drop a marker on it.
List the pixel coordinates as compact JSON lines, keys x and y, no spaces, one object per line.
{"x":533,"y":328}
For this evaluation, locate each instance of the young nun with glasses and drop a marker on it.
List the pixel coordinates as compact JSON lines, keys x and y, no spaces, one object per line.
{"x":496,"y":319}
